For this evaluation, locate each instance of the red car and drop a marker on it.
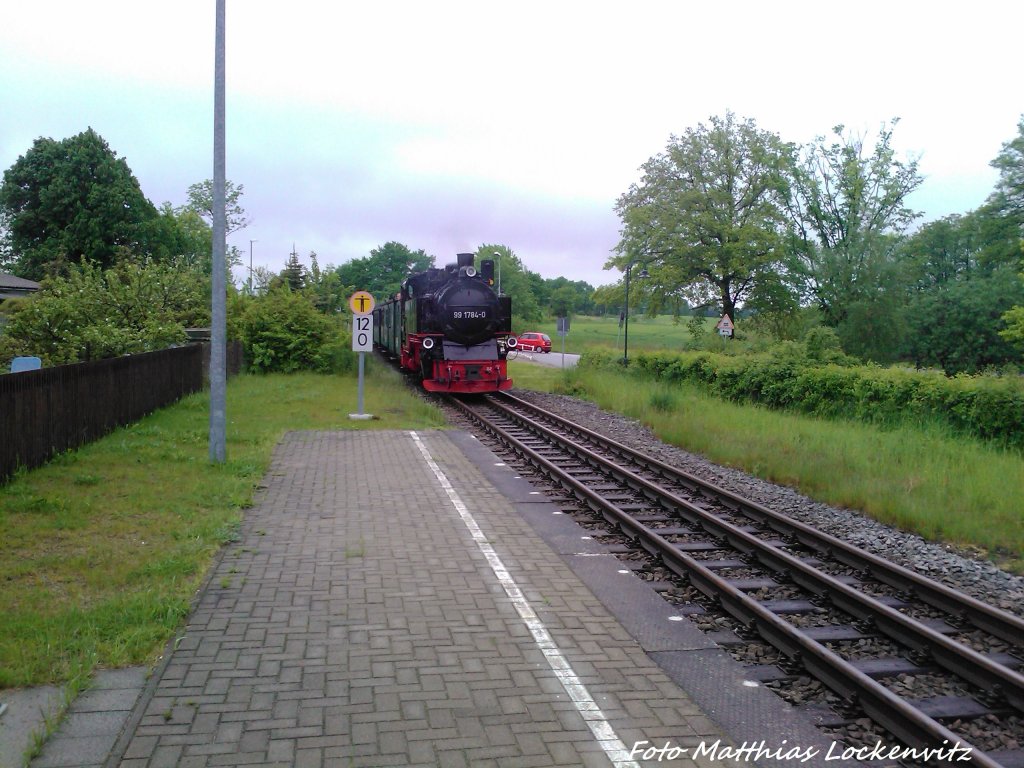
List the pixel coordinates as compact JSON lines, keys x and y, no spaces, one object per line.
{"x":534,"y":342}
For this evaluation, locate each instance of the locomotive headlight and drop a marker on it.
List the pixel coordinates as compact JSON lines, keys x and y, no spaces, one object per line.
{"x":511,"y":342}
{"x":470,"y":271}
{"x":428,"y":343}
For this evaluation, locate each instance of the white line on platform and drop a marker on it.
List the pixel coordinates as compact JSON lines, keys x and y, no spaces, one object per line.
{"x":577,"y":691}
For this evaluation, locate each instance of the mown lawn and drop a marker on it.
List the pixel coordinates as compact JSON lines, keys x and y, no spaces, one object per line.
{"x":645,"y":333}
{"x":102,"y":549}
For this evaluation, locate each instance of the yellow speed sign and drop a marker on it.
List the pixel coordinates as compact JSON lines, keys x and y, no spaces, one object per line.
{"x":361,"y":303}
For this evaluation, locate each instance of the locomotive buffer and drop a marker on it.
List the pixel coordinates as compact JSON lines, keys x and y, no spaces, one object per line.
{"x":361,"y":303}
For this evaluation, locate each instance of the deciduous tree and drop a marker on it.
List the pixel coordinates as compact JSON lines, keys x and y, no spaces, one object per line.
{"x":525,"y":287}
{"x":71,"y":200}
{"x":6,"y":255}
{"x":1009,"y":194}
{"x":563,"y":301}
{"x":709,"y":213}
{"x":200,"y":201}
{"x":942,"y":251}
{"x":93,"y":313}
{"x":382,"y":272}
{"x":958,"y":326}
{"x":1009,"y":199}
{"x":567,"y":297}
{"x":324,"y":287}
{"x":186,"y":238}
{"x":847,"y":206}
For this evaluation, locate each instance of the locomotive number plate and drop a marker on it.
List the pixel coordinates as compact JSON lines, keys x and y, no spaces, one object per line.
{"x":470,"y":314}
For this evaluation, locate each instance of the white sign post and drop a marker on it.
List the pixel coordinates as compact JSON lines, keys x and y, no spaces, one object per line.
{"x":361,"y":303}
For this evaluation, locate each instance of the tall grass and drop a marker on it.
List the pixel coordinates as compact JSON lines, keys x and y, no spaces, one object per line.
{"x":101,"y":549}
{"x":920,"y":479}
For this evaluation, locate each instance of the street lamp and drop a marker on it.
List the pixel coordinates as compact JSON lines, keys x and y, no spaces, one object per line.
{"x":499,"y":271}
{"x":250,"y":265}
{"x":625,"y":345}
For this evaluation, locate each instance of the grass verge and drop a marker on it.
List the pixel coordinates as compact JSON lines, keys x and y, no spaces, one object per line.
{"x":919,"y":479}
{"x":102,"y":549}
{"x":527,"y":375}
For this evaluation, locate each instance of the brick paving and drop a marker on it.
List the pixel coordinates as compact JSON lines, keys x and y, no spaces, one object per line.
{"x":356,"y":623}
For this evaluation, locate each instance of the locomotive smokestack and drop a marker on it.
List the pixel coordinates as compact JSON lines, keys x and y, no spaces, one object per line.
{"x":466,"y":259}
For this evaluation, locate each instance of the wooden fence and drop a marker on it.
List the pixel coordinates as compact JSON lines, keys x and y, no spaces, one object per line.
{"x":51,"y":410}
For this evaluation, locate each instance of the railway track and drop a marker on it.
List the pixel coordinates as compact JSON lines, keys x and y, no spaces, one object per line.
{"x":929,"y":665}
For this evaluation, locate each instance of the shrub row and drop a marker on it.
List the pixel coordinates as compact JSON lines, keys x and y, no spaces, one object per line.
{"x":283,"y":332}
{"x":988,"y":407}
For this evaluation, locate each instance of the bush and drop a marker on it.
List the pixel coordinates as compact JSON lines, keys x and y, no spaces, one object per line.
{"x":822,"y":343}
{"x":987,"y":407}
{"x":283,"y":332}
{"x":92,"y":313}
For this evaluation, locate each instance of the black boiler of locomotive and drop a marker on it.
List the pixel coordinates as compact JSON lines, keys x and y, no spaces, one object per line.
{"x":449,"y":326}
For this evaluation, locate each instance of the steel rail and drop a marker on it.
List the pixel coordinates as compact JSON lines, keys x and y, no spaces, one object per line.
{"x":949,"y":654}
{"x":1001,"y":624}
{"x":906,"y":722}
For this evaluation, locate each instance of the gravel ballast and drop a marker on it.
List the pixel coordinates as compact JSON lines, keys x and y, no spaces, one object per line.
{"x":976,"y":577}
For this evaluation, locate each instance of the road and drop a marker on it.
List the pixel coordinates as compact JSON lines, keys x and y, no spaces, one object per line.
{"x":550,"y":359}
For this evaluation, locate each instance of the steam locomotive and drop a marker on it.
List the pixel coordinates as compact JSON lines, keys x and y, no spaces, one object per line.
{"x":449,"y":327}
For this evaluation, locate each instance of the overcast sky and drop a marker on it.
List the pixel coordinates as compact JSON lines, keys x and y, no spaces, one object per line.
{"x":444,"y":125}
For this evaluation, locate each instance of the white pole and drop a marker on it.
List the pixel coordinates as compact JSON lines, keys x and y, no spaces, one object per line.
{"x":362,"y":364}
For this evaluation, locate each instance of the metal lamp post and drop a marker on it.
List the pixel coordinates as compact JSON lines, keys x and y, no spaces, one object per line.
{"x":625,"y":346}
{"x":218,"y":299}
{"x":250,"y":265}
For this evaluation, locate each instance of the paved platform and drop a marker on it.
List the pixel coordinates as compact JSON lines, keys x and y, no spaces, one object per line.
{"x":401,"y":598}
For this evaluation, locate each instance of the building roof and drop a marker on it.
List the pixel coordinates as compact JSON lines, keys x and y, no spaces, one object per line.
{"x":18,"y":283}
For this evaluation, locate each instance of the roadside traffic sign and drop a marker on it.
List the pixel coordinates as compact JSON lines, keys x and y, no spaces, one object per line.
{"x":361,"y":303}
{"x":725,"y":326}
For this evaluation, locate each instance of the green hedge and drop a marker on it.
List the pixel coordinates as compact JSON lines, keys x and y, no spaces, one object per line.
{"x":988,"y":407}
{"x":283,"y":332}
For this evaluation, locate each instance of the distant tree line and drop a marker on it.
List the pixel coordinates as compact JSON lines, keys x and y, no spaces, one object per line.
{"x":534,"y":297}
{"x":120,"y":275}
